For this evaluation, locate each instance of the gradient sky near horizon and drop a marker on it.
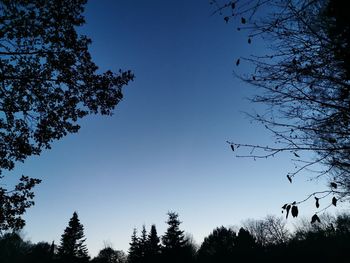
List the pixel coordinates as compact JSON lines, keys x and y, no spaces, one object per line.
{"x":165,"y":147}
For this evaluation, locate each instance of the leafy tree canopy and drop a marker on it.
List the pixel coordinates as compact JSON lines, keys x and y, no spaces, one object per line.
{"x":218,"y":246}
{"x":109,"y":255}
{"x":48,"y":82}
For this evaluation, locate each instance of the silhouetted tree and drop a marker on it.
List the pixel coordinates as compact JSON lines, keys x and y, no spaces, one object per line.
{"x":190,"y":249}
{"x":72,"y":247}
{"x":40,"y":253}
{"x":134,"y":255}
{"x":53,"y":249}
{"x":246,"y":249}
{"x":153,"y":245}
{"x":320,"y":242}
{"x":257,"y":229}
{"x":173,"y":237}
{"x":143,"y":244}
{"x":342,"y":224}
{"x":245,"y":240}
{"x":109,"y":255}
{"x":270,"y":230}
{"x":15,"y":202}
{"x":13,"y":249}
{"x":304,"y":81}
{"x":175,"y":247}
{"x":48,"y":82}
{"x":218,"y":246}
{"x":303,"y":228}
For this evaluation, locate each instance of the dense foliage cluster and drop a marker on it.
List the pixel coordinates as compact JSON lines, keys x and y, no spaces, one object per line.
{"x":48,"y":82}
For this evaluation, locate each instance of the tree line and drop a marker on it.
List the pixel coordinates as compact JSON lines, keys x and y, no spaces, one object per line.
{"x":266,"y":240}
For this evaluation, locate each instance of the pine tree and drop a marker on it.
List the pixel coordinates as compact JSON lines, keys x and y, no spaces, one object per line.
{"x":134,"y":250}
{"x":153,"y":245}
{"x":174,"y":241}
{"x":52,"y":249}
{"x":143,"y":244}
{"x":174,"y":237}
{"x":72,"y":245}
{"x":153,"y":241}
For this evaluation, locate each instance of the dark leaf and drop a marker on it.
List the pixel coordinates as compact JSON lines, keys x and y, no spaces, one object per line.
{"x":289,"y":178}
{"x":233,"y":5}
{"x":296,"y":155}
{"x":334,"y":201}
{"x":295,"y":211}
{"x":249,"y":40}
{"x":284,"y":206}
{"x":226,"y":18}
{"x":237,"y":62}
{"x":232,"y":148}
{"x":334,"y":185}
{"x":315,"y":218}
{"x":243,"y":21}
{"x":317,"y":202}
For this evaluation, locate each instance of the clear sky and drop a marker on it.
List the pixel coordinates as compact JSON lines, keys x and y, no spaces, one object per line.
{"x":165,"y":147}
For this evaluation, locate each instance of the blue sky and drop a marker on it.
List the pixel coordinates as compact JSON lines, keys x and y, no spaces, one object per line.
{"x":165,"y":147}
